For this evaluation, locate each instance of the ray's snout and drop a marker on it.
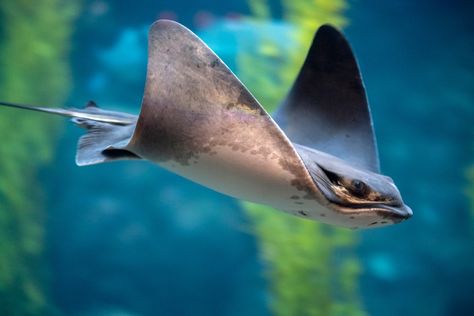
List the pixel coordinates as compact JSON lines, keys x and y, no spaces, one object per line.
{"x":398,"y":213}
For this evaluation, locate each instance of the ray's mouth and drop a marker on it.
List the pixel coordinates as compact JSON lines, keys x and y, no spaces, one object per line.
{"x":394,"y":212}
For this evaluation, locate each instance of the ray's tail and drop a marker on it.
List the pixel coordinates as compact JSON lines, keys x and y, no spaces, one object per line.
{"x":90,"y":112}
{"x":108,"y":132}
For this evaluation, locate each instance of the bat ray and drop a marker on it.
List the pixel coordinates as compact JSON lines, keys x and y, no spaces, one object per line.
{"x":198,"y":120}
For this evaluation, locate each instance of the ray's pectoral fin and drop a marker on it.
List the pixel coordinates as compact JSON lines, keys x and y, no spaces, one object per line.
{"x":327,"y":107}
{"x":200,"y":121}
{"x":194,"y":104}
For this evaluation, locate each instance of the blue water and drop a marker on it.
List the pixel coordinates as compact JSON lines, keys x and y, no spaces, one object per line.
{"x":417,"y":62}
{"x":129,"y":238}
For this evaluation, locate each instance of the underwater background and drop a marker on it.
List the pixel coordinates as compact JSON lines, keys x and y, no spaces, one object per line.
{"x":129,"y":238}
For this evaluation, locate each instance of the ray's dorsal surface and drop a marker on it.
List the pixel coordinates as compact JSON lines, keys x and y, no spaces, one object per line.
{"x":199,"y":121}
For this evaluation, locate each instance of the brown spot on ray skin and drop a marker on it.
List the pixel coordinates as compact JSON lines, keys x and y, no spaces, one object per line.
{"x":303,"y":213}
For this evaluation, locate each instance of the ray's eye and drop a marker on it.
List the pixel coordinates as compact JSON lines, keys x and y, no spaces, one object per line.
{"x":358,"y":188}
{"x":354,"y":187}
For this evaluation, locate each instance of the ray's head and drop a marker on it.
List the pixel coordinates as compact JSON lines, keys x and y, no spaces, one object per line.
{"x":363,"y":198}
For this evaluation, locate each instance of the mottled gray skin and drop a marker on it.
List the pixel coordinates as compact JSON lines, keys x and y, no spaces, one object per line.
{"x":199,"y":121}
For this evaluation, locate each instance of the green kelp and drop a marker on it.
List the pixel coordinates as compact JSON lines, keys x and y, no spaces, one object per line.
{"x":311,"y":266}
{"x":34,"y":39}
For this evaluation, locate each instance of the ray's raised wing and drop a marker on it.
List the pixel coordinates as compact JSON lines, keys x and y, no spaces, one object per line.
{"x":327,"y":107}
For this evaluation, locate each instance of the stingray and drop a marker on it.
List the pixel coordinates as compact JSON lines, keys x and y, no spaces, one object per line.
{"x":317,"y":158}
